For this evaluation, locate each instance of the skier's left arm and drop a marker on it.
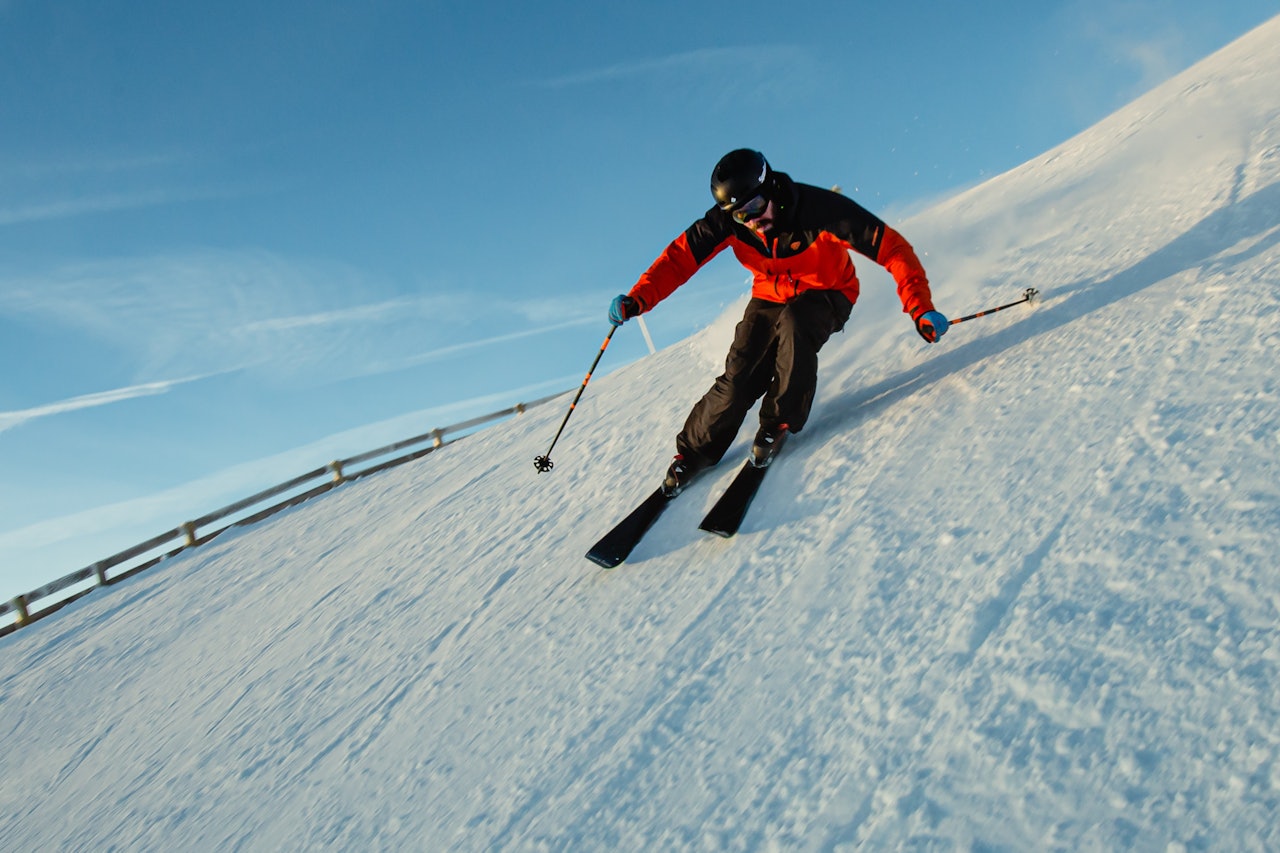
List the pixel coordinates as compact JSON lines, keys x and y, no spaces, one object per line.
{"x":896,"y":255}
{"x":869,"y":235}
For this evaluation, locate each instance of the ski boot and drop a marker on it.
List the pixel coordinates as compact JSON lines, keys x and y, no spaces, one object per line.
{"x":682,"y":470}
{"x":769,"y":441}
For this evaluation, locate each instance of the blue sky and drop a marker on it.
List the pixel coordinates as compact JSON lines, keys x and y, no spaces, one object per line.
{"x":232,"y":230}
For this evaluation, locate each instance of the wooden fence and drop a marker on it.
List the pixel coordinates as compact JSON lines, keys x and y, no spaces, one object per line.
{"x":38,"y":603}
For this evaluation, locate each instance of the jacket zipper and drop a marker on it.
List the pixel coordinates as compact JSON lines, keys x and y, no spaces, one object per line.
{"x":777,"y":276}
{"x":772,"y":249}
{"x":777,"y":285}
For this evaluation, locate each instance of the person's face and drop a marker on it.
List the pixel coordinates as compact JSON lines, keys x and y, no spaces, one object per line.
{"x":756,"y":214}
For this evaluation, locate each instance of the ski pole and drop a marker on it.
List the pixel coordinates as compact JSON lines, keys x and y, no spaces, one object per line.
{"x":1028,"y":295}
{"x":543,"y":463}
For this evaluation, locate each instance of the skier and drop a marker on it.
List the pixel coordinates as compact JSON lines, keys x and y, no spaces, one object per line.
{"x":795,"y":240}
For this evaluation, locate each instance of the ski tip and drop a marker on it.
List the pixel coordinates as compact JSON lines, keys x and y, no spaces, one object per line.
{"x":718,"y":531}
{"x":604,"y":561}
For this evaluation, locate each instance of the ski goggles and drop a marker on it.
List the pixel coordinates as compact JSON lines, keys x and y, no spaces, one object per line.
{"x":749,"y":210}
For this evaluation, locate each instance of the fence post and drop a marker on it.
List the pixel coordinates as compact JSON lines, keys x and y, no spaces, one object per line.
{"x":190,"y":529}
{"x":20,"y":605}
{"x":439,"y":438}
{"x":336,"y":467}
{"x":519,"y":408}
{"x":101,"y":571}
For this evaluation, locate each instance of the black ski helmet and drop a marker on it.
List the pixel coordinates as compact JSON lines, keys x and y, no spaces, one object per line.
{"x":740,"y":176}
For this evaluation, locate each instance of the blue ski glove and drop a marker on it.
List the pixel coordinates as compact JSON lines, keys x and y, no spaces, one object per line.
{"x":623,"y":309}
{"x":932,"y":325}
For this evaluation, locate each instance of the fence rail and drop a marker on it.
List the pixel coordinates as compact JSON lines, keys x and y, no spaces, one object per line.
{"x":35,"y":605}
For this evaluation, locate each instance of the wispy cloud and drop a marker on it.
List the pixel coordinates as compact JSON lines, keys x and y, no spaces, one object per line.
{"x":48,"y":188}
{"x":305,"y":321}
{"x":711,"y":59}
{"x":360,"y":314}
{"x":93,"y":164}
{"x":9,"y":420}
{"x":454,"y":349}
{"x":105,"y":203}
{"x":201,"y":312}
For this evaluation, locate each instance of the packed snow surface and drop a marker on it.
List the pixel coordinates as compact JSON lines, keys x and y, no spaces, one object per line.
{"x":1017,"y":590}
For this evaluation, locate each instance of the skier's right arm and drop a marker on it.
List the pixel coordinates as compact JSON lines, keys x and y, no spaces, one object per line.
{"x":683,"y":257}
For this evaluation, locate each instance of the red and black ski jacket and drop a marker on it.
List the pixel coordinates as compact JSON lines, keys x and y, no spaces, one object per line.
{"x":807,"y":249}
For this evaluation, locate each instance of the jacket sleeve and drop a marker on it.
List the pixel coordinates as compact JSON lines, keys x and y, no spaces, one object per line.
{"x":868,"y":235}
{"x":896,"y":255}
{"x":685,"y":255}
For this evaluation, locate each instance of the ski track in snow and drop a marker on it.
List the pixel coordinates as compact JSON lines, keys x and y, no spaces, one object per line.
{"x":1015,"y":591}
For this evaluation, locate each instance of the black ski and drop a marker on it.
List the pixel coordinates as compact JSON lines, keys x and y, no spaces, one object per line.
{"x":726,"y":516}
{"x":614,"y":547}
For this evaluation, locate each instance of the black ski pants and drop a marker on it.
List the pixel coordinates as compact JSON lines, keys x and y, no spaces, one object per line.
{"x":775,"y":356}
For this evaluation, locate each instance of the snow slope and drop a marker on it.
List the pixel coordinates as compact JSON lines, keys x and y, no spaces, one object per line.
{"x":1014,"y":591}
